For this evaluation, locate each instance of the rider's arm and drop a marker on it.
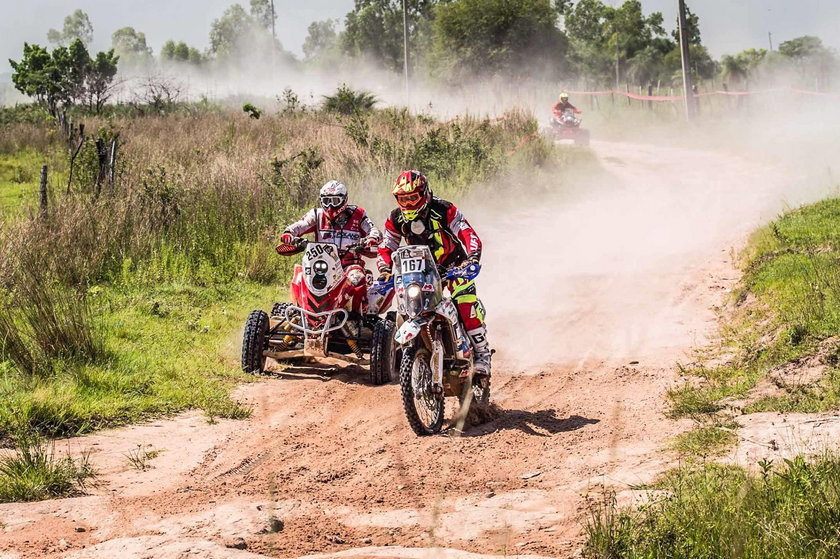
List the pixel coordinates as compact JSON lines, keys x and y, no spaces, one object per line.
{"x":369,"y":229}
{"x":389,"y":245}
{"x":307,"y":224}
{"x":459,"y":225}
{"x":557,"y":108}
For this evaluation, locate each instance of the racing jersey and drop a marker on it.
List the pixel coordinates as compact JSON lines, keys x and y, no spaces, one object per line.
{"x":348,"y":228}
{"x":443,"y":228}
{"x":560,"y":106}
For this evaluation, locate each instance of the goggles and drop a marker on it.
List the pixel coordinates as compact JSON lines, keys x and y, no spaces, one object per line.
{"x":410,"y":200}
{"x":332,"y":201}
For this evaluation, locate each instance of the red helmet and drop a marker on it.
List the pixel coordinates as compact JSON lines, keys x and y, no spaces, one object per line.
{"x":413,"y":194}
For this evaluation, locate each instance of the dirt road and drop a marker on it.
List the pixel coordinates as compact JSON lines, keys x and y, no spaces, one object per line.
{"x":587,"y":333}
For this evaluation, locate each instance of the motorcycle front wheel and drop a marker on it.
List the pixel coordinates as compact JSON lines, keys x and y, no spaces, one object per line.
{"x":423,"y":408}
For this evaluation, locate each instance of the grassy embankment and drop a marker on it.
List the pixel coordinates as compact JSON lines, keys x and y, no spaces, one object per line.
{"x":786,"y":320}
{"x":129,"y":305}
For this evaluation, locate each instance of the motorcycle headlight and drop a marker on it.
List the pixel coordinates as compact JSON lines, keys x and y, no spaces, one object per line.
{"x":413,"y":291}
{"x":320,"y":267}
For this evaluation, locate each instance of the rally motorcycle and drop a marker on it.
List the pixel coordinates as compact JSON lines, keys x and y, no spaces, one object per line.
{"x":332,"y":317}
{"x":567,"y":127}
{"x":437,"y":355}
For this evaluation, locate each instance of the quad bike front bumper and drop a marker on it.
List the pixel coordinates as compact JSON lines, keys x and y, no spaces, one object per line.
{"x":314,"y":327}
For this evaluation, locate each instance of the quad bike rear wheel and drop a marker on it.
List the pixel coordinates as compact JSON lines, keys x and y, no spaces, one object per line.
{"x":254,"y":341}
{"x":383,"y":353}
{"x":423,"y":408}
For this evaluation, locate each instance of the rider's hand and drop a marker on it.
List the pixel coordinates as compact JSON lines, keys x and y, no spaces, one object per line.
{"x":371,"y":243}
{"x":287,"y":239}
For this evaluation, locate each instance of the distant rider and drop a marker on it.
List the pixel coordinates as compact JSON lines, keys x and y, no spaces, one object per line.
{"x":562,"y":105}
{"x":422,"y":219}
{"x":344,"y":225}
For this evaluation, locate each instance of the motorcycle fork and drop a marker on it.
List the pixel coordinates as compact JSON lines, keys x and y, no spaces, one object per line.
{"x":434,"y":344}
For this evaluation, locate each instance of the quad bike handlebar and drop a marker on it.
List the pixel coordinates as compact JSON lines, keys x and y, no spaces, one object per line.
{"x":299,"y":244}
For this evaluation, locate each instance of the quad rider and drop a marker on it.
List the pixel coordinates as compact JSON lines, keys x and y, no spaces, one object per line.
{"x":348,"y":227}
{"x":423,"y":219}
{"x":563,"y":105}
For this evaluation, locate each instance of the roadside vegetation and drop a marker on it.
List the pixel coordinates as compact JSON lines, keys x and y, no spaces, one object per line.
{"x":779,"y":351}
{"x":785,"y":510}
{"x":127,"y":303}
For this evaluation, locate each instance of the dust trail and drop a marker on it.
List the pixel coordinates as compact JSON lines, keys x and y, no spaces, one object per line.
{"x":611,"y":272}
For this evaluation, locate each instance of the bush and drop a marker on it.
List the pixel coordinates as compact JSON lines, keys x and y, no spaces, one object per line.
{"x":34,"y":473}
{"x":347,"y":101}
{"x":723,"y":512}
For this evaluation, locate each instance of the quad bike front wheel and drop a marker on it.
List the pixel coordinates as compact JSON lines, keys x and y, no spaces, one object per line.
{"x":254,"y":343}
{"x":423,"y":408}
{"x":383,"y":353}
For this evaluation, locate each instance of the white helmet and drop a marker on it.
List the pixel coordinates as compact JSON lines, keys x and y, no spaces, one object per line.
{"x":333,"y":198}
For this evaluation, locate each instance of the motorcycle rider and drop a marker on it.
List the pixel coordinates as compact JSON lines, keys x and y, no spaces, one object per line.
{"x":423,"y":219}
{"x":337,"y":222}
{"x":562,"y":105}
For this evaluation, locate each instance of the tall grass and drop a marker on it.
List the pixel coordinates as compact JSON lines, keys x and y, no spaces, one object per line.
{"x":33,"y":472}
{"x":787,"y":309}
{"x":112,"y":304}
{"x":790,"y":511}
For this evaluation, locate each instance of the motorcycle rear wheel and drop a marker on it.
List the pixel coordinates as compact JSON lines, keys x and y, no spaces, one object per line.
{"x":423,"y":409}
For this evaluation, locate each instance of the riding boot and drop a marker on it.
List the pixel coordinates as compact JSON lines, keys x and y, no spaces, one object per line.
{"x":481,"y":349}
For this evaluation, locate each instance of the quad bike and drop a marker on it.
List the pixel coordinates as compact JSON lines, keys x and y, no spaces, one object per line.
{"x":332,"y":317}
{"x":437,"y":355}
{"x":567,"y":127}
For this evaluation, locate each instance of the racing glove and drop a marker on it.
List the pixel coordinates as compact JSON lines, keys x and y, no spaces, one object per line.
{"x":371,"y":243}
{"x":287,"y":238}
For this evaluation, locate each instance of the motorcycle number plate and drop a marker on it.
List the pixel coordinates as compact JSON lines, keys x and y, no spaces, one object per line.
{"x":413,"y":265}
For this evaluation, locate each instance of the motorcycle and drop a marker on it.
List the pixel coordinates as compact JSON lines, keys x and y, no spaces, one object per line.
{"x":437,"y":355}
{"x":567,"y":127}
{"x":333,"y":316}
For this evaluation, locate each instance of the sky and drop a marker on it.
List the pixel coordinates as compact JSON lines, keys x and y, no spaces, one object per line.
{"x":727,"y":26}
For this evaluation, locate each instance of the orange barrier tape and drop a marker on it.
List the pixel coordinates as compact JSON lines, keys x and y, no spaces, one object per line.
{"x":704,"y":94}
{"x":524,"y":141}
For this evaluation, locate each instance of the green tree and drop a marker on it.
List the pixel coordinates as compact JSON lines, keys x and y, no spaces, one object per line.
{"x":65,"y":77}
{"x":36,"y":75}
{"x":374,"y":28}
{"x":611,"y":44}
{"x":237,"y":33}
{"x":511,"y":37}
{"x":181,"y":52}
{"x":76,"y":26}
{"x":692,"y":28}
{"x":263,"y":13}
{"x":100,"y":79}
{"x":130,"y":45}
{"x":321,"y":39}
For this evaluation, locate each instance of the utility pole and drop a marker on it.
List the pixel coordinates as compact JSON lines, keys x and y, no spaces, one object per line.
{"x":274,"y":40}
{"x":690,"y":106}
{"x":770,"y":37}
{"x":405,"y":51}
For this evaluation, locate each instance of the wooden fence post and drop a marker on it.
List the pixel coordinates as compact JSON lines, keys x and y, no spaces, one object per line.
{"x":112,"y":164}
{"x":43,"y":190}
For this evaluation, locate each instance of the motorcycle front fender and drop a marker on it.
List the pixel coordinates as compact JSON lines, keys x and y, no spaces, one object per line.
{"x":409,"y":331}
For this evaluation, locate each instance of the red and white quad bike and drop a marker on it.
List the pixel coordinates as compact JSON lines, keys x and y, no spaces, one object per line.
{"x":333,"y":317}
{"x":567,"y":127}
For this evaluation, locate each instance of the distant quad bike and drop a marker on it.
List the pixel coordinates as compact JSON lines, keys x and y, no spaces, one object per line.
{"x":437,"y":356}
{"x":332,"y":318}
{"x":567,"y":127}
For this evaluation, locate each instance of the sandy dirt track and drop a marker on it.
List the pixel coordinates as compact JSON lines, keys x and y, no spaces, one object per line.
{"x":328,"y":467}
